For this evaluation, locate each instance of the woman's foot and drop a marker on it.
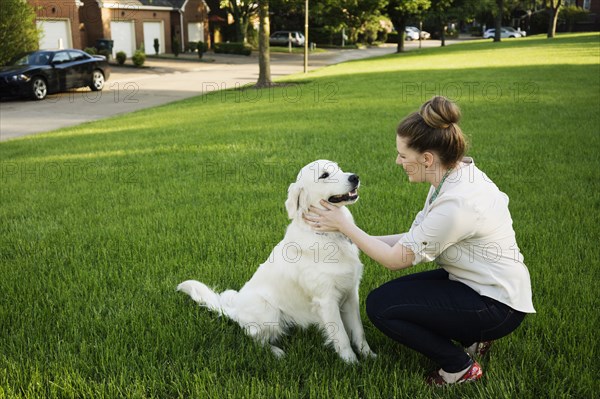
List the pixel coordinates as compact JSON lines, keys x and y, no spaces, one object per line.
{"x":441,"y":377}
{"x":479,"y":349}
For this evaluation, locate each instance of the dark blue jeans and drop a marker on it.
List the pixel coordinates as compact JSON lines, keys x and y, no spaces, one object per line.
{"x":427,"y":312}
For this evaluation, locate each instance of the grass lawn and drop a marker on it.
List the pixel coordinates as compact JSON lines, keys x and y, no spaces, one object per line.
{"x":100,"y":222}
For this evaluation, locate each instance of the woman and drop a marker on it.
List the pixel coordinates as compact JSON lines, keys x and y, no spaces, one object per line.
{"x":482,"y":290}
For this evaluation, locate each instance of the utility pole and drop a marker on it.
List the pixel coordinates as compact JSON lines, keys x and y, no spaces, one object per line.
{"x":305,"y":36}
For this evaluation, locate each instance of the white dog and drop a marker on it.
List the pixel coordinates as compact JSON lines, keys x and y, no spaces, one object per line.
{"x":309,"y":278}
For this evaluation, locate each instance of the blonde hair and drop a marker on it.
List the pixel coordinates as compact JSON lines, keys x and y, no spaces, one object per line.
{"x":435,"y":128}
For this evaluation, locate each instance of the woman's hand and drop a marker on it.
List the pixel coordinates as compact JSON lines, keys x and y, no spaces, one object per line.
{"x":327,"y":220}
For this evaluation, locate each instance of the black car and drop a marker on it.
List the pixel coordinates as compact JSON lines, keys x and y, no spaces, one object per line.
{"x":37,"y":73}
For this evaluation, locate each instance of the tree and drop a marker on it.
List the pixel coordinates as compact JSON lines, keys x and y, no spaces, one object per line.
{"x":400,"y":11}
{"x":361,"y":18}
{"x":440,"y":11}
{"x":552,"y":8}
{"x":242,"y":11}
{"x":18,"y":32}
{"x":498,"y":20}
{"x":264,"y":57}
{"x":328,"y":18}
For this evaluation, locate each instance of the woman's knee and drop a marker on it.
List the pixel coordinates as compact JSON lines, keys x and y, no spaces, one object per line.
{"x":374,"y":306}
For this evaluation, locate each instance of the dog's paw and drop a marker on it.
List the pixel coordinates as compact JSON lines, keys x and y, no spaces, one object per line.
{"x":366,"y":352}
{"x":349,"y":357}
{"x":278,"y":352}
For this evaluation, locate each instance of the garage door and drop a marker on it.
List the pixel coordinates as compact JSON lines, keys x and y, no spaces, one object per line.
{"x":123,"y":35}
{"x":196,"y":32}
{"x":154,"y":30}
{"x":55,"y":34}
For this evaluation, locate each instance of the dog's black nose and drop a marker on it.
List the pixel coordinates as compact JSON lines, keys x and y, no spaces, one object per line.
{"x":353,"y":179}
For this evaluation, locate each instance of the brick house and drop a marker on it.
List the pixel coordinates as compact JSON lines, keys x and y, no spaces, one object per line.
{"x":59,"y":22}
{"x":129,"y":23}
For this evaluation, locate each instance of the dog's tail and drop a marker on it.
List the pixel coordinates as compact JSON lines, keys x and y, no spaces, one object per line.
{"x":200,"y":293}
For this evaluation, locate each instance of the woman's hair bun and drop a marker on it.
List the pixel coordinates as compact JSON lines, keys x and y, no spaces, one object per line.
{"x":440,"y":113}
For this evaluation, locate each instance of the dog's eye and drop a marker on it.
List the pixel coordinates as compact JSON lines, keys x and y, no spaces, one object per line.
{"x":325,"y":175}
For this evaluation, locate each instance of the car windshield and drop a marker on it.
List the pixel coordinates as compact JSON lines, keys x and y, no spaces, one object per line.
{"x":36,"y":58}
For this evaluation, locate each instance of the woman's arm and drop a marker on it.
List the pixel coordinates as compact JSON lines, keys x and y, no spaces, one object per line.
{"x":394,"y":257}
{"x":379,"y":249}
{"x":389,"y":240}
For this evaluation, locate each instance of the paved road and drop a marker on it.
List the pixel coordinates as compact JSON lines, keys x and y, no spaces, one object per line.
{"x":164,"y":81}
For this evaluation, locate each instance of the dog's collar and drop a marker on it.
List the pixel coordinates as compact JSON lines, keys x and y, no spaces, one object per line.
{"x":327,"y":234}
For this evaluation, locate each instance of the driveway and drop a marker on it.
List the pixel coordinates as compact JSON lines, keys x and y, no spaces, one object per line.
{"x":161,"y":82}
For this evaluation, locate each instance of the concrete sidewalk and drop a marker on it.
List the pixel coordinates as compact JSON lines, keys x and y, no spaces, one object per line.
{"x":161,"y":82}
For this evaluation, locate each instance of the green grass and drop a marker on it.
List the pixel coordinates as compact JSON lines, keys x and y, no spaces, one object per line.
{"x":100,"y":222}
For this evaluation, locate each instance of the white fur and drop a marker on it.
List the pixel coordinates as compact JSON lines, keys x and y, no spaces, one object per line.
{"x":309,"y":277}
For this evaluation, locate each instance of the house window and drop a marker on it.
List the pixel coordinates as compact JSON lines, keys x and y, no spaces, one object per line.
{"x":587,"y":4}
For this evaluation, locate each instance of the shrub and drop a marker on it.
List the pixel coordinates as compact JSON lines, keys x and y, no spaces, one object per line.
{"x":232,"y":48}
{"x":476,"y":31}
{"x":105,"y":53}
{"x":202,"y":47}
{"x":392,"y":37}
{"x":121,"y":57}
{"x":192,"y":46}
{"x":176,"y":46}
{"x":452,"y":34}
{"x":139,"y":57}
{"x":368,"y":31}
{"x":573,"y":14}
{"x":156,"y":46}
{"x":91,"y":50}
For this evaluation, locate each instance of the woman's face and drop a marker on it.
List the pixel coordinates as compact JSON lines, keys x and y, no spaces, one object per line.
{"x":411,"y":161}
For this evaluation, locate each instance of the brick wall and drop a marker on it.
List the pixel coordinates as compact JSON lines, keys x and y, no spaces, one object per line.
{"x":60,"y":10}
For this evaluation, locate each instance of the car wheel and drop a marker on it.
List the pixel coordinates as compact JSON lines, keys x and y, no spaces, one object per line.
{"x":97,"y":80}
{"x":39,"y":88}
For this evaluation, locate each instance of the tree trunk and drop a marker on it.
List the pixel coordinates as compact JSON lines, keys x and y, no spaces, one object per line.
{"x":264,"y":57}
{"x":245,"y":21}
{"x":552,"y":19}
{"x":498,"y":21}
{"x":239,"y":23}
{"x":442,"y":26}
{"x":400,"y":26}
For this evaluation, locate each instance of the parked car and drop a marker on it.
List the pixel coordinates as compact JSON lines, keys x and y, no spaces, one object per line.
{"x":283,"y":37}
{"x":415,"y":33}
{"x":507,"y":32}
{"x":516,"y":31}
{"x":38,"y":73}
{"x":410,"y":34}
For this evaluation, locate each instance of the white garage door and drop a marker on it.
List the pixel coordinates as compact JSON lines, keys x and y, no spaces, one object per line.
{"x":154,"y":30}
{"x":196,"y":32}
{"x":123,"y":35}
{"x":55,"y":34}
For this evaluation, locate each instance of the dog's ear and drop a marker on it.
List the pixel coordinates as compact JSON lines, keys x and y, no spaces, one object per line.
{"x":297,"y":200}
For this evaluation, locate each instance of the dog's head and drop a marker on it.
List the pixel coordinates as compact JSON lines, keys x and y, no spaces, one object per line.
{"x":319,"y":180}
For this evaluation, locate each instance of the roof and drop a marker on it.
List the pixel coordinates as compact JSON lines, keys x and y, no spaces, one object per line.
{"x":163,"y":3}
{"x":170,"y":4}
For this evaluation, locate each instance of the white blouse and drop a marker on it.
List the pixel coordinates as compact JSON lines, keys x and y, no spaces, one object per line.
{"x":468,"y":231}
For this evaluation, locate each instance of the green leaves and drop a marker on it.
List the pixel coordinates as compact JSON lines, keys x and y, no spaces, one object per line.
{"x":18,"y":32}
